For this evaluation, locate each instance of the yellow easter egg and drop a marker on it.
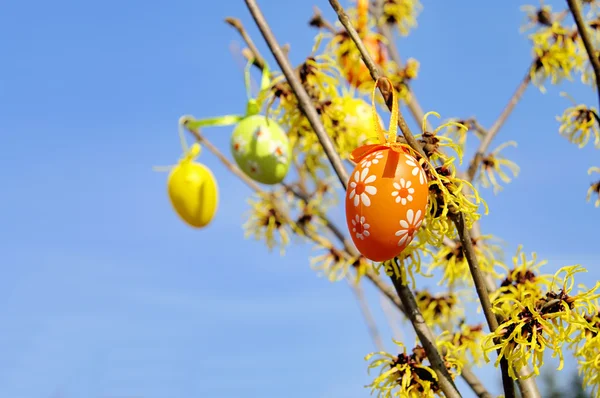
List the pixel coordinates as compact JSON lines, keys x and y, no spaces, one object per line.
{"x":193,"y":192}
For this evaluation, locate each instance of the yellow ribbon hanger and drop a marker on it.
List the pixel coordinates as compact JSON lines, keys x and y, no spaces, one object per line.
{"x":384,"y":143}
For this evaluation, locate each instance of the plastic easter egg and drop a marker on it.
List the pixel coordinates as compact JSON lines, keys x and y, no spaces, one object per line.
{"x":193,"y":192}
{"x":261,"y":149}
{"x":353,"y":67}
{"x":386,"y":201}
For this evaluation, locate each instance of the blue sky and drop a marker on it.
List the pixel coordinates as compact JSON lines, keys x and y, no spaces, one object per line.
{"x":106,"y":294}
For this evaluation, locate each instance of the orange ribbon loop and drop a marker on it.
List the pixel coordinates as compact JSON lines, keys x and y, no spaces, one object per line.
{"x":384,"y":143}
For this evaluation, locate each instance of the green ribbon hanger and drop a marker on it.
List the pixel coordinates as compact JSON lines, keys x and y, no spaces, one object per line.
{"x":252,"y":106}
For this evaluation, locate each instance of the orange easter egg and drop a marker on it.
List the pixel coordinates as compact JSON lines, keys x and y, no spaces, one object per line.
{"x":386,"y":201}
{"x":353,"y":67}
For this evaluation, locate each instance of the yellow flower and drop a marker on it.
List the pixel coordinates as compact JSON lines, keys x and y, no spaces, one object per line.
{"x":522,"y":281}
{"x":537,"y":17}
{"x":588,"y":352}
{"x":408,"y":376}
{"x":400,"y":78}
{"x":522,"y":339}
{"x":567,"y":312}
{"x":351,"y":123}
{"x":557,"y":55}
{"x":268,"y":221}
{"x":594,"y":188}
{"x":309,"y":222}
{"x":407,"y":263}
{"x":466,"y":343}
{"x":402,"y":13}
{"x":458,"y":129}
{"x":321,"y":77}
{"x":333,"y":263}
{"x":448,"y":194}
{"x":350,"y":60}
{"x":433,"y":140}
{"x":589,"y":365}
{"x":535,"y":323}
{"x":455,"y":267}
{"x":438,"y":309}
{"x":579,"y":123}
{"x":492,"y":164}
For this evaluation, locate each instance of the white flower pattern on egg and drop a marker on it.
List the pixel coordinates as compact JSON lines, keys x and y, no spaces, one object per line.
{"x":360,"y":190}
{"x":417,"y":169}
{"x":372,"y":159}
{"x":360,"y":227}
{"x":409,"y":227}
{"x":403,"y":191}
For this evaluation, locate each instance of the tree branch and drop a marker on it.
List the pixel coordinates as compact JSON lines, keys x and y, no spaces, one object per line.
{"x":385,"y":30}
{"x":259,"y":61}
{"x":587,"y":41}
{"x":463,"y":232}
{"x":493,"y":131}
{"x":303,"y":99}
{"x":427,"y":339}
{"x":309,"y":111}
{"x":366,"y":312}
{"x":319,"y":22}
{"x":386,"y":91}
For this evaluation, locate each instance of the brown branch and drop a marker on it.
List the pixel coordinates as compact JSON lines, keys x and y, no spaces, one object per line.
{"x":385,"y":90}
{"x":473,"y":381}
{"x":463,"y":232}
{"x":372,"y":276}
{"x":508,"y":109}
{"x":427,"y":339}
{"x":259,"y":61}
{"x":493,"y":131}
{"x":304,"y":101}
{"x":215,"y":151}
{"x":309,"y":111}
{"x":392,"y":316}
{"x":482,"y":293}
{"x":366,"y":312}
{"x":319,"y":22}
{"x":587,"y":41}
{"x":385,"y":30}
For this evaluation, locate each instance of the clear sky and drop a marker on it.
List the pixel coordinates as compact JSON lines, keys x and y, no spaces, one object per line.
{"x":106,"y":294}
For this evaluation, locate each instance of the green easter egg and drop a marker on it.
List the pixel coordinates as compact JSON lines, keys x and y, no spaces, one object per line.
{"x":261,"y":149}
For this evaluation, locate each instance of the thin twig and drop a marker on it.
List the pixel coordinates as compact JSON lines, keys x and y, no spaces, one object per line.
{"x":384,"y":89}
{"x":587,"y":41}
{"x":303,"y":99}
{"x":385,"y":30}
{"x":228,"y":164}
{"x":493,"y":131}
{"x":427,"y":339}
{"x":481,"y":289}
{"x":259,"y":61}
{"x":392,"y":317}
{"x":319,"y":22}
{"x":366,"y":312}
{"x":478,"y":388}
